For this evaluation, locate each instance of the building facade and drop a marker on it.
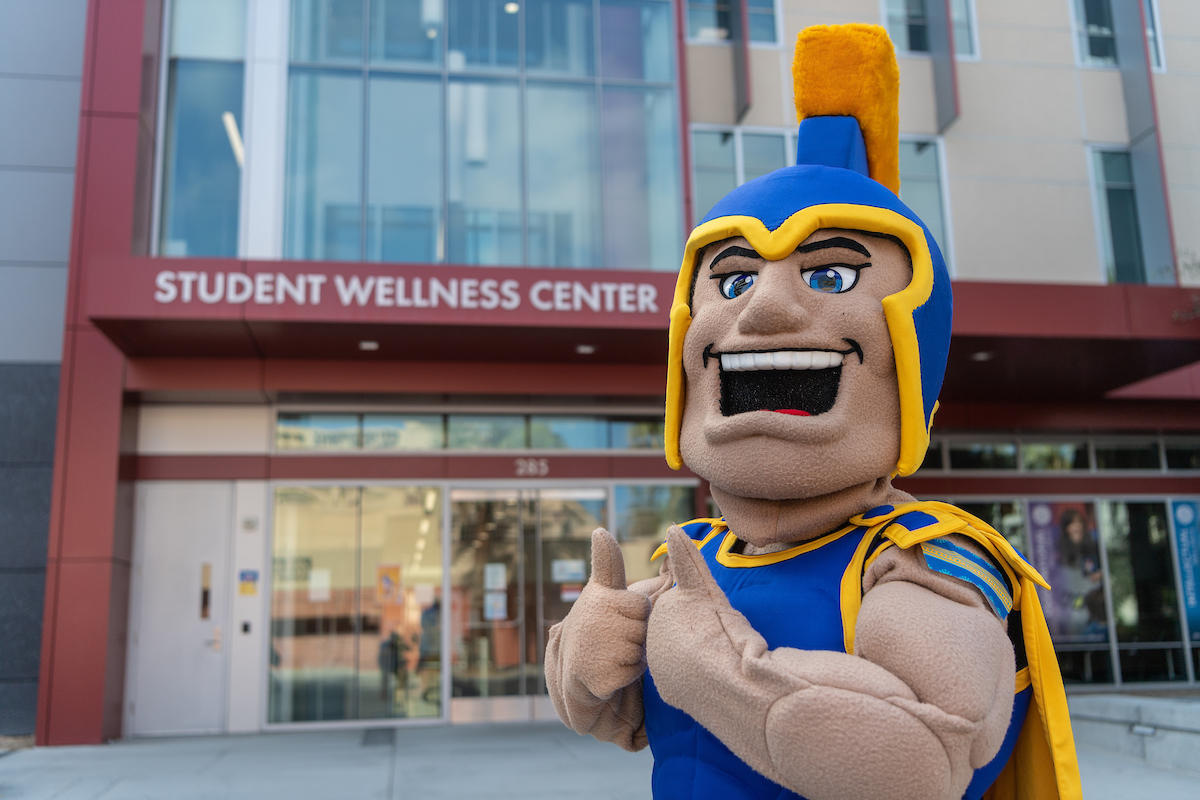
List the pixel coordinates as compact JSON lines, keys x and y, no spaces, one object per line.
{"x":366,"y":324}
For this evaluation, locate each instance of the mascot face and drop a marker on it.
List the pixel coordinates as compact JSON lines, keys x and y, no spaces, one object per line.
{"x":791,"y":380}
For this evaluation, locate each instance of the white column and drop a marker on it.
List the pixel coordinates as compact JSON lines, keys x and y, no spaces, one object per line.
{"x":249,"y":619}
{"x":265,"y":116}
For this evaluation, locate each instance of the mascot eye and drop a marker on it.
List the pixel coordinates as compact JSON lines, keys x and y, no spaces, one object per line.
{"x":737,"y":284}
{"x":831,"y":279}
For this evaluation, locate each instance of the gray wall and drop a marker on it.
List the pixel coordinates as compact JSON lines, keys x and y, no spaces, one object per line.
{"x":41,"y":54}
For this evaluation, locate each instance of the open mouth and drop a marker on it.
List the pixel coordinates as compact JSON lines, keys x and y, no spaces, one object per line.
{"x":797,"y":382}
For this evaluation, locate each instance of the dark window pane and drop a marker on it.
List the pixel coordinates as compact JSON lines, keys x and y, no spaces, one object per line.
{"x":1133,"y":455}
{"x":630,"y":434}
{"x":327,"y":30}
{"x":481,"y":432}
{"x":1139,"y":665}
{"x":1182,"y":454}
{"x":716,"y":169}
{"x":908,"y":25}
{"x":406,"y":32}
{"x":1085,"y":666}
{"x":404,"y":189}
{"x":1008,"y":518}
{"x":988,"y":455}
{"x":403,"y":432}
{"x":323,"y":197}
{"x":762,"y":153}
{"x":635,"y":40}
{"x":317,"y":432}
{"x":708,"y":22}
{"x":483,"y":33}
{"x":1055,"y":456}
{"x":1126,"y":236}
{"x":559,"y":36}
{"x":1144,"y":600}
{"x":1099,"y":41}
{"x":568,"y":433}
{"x":933,"y":457}
{"x":202,"y":166}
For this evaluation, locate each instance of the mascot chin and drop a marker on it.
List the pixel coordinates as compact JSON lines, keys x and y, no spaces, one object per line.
{"x":829,"y":637}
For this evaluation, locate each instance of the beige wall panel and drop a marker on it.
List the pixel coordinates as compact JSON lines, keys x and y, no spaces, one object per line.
{"x":710,"y":83}
{"x":1182,"y":165}
{"x":1179,"y":17}
{"x":1008,"y":231}
{"x":1182,"y":53}
{"x":1026,"y":44}
{"x":918,"y":111}
{"x":798,"y":14}
{"x":1177,"y":97}
{"x":1185,"y":207}
{"x":1016,"y":101}
{"x":1104,"y":105}
{"x":771,"y":97}
{"x":1014,"y":159}
{"x":204,"y":429}
{"x":1024,"y":13}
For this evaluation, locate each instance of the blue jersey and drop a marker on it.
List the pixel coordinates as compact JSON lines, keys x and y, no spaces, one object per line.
{"x":806,"y":597}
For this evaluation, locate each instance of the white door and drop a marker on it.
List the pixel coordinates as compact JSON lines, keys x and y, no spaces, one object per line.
{"x":179,"y":608}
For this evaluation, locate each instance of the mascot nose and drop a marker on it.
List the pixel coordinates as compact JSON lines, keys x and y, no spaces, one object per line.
{"x":772,"y":309}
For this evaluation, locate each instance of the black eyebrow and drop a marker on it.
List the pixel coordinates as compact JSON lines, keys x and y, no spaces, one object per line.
{"x":836,"y":241}
{"x":735,"y":251}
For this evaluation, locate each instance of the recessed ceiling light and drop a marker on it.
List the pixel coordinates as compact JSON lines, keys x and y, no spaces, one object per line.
{"x":367,"y":344}
{"x":585,"y":349}
{"x":983,"y":355}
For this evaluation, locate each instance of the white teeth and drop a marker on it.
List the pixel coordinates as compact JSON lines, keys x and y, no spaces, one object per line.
{"x":781,"y":359}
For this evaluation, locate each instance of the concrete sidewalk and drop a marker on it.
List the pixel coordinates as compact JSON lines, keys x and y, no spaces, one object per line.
{"x":530,"y":761}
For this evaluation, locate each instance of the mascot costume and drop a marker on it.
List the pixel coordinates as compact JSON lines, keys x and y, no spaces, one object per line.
{"x":829,"y":637}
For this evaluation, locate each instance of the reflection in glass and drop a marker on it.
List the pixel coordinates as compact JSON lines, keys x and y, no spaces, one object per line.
{"x":208,"y":29}
{"x":1055,"y":456}
{"x":327,"y":31}
{"x":1064,"y":547}
{"x":564,"y":179}
{"x":1127,"y":455}
{"x":316,"y":432}
{"x":762,"y":153}
{"x":908,"y":25}
{"x":202,"y":165}
{"x":406,"y":32}
{"x":921,"y":186}
{"x":1122,"y":237}
{"x":403,"y":432}
{"x":1008,"y":518}
{"x":486,"y":432}
{"x":484,"y":179}
{"x":568,"y":433}
{"x":1144,"y":601}
{"x":1097,"y":39}
{"x":323,"y":196}
{"x":933,"y":456}
{"x":644,"y":514}
{"x":1183,"y":454}
{"x":643,"y":209}
{"x":960,"y":15}
{"x":716,"y":169}
{"x":404,"y":177}
{"x":483,"y":33}
{"x":635,"y":40}
{"x":559,"y":36}
{"x":634,"y":434}
{"x":314,"y":614}
{"x":400,"y":597}
{"x":984,"y":455}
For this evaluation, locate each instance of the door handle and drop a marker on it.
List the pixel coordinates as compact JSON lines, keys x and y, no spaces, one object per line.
{"x":215,"y":641}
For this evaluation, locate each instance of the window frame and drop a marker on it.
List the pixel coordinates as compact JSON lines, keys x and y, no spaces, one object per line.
{"x":947,"y":246}
{"x":1100,"y":214}
{"x":974,"y":28}
{"x":1077,"y":30}
{"x":739,"y":170}
{"x":775,"y":45}
{"x":1151,"y":8}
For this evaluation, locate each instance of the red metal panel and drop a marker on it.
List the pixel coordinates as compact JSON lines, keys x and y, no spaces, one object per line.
{"x":1044,"y":310}
{"x":357,"y":467}
{"x":216,"y":374}
{"x":651,"y":465}
{"x":74,"y":694}
{"x":116,"y":69}
{"x":109,"y":184}
{"x":199,"y":468}
{"x":533,"y":467}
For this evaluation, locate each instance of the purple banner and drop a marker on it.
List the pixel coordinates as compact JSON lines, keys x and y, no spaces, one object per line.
{"x":1066,"y":550}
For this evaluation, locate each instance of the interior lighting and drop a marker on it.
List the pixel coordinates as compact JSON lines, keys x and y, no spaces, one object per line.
{"x":983,"y":355}
{"x":585,"y":349}
{"x":235,"y":138}
{"x":512,"y":8}
{"x":368,"y":345}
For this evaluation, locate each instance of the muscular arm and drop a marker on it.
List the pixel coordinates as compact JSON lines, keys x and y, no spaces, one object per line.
{"x":596,"y":656}
{"x":924,"y":701}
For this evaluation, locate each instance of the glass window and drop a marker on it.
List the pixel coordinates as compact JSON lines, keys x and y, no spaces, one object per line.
{"x":559,"y":37}
{"x":327,"y":31}
{"x":762,"y":153}
{"x":1144,"y":601}
{"x":568,"y":433}
{"x":983,"y":455}
{"x":1153,"y":40}
{"x":1129,"y":454}
{"x":962,"y":16}
{"x":760,"y":14}
{"x":483,"y":33}
{"x":921,"y":186}
{"x":1054,"y":456}
{"x":486,"y":432}
{"x":406,"y":32}
{"x":1097,"y":39}
{"x":317,"y":432}
{"x":204,"y":152}
{"x":635,"y":40}
{"x":908,"y":25}
{"x":933,"y":456}
{"x":1007,"y":517}
{"x":716,"y":169}
{"x":403,"y":432}
{"x":1183,"y":453}
{"x":632,"y":434}
{"x":1120,"y":230}
{"x":644,"y":513}
{"x":708,"y":21}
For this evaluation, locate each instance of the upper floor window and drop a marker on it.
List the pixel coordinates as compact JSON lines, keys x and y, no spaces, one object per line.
{"x":725,"y":158}
{"x":541,"y":132}
{"x":1153,"y":39}
{"x":1097,"y":36}
{"x":1120,"y":231}
{"x":921,"y":186}
{"x":709,"y":20}
{"x":908,"y":25}
{"x":203,"y":151}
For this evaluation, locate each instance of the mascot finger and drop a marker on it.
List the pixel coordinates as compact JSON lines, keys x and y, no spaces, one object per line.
{"x":691,"y":574}
{"x":608,"y":564}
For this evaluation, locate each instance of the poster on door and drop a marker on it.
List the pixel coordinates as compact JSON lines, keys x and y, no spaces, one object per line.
{"x":1186,"y":514}
{"x":1065,"y":548}
{"x":388,"y":589}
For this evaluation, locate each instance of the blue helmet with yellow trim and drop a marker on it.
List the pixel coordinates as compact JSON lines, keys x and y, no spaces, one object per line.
{"x":846,"y":176}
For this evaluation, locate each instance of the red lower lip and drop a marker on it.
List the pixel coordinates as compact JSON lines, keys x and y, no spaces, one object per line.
{"x":795,"y":412}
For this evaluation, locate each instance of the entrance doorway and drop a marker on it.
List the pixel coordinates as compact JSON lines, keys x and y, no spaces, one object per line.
{"x":518,"y":560}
